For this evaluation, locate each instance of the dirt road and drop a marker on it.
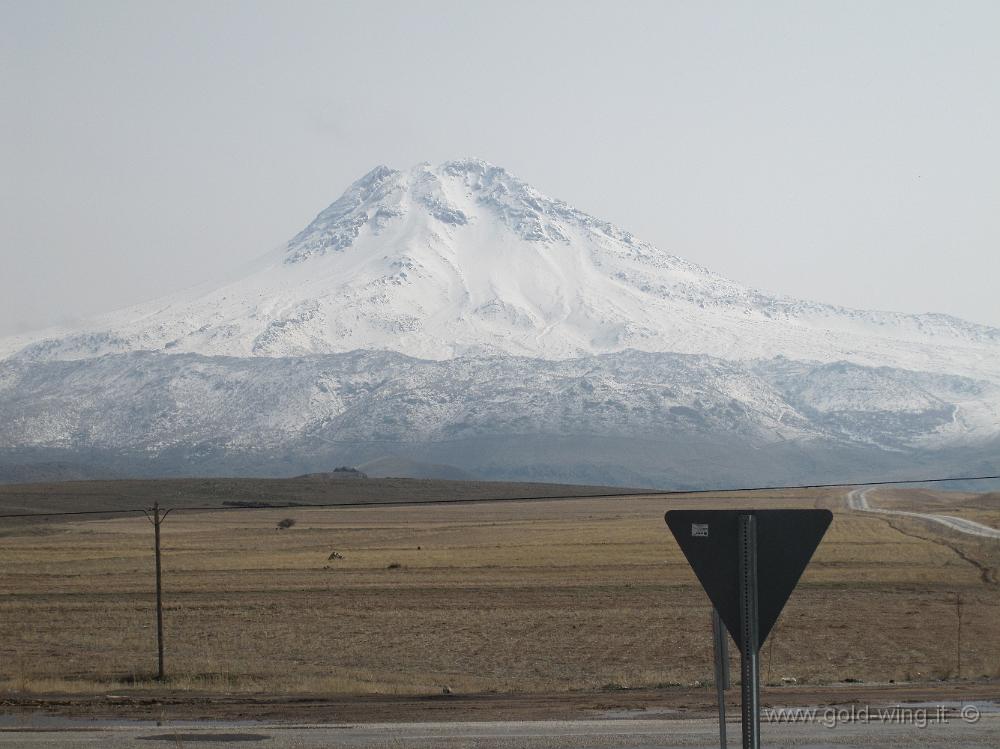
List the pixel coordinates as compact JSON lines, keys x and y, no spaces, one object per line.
{"x":857,"y":499}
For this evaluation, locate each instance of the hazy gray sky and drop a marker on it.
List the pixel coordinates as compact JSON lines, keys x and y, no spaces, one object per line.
{"x":845,"y":151}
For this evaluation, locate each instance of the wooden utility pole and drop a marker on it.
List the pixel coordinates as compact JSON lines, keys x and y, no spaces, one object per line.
{"x":156,"y":517}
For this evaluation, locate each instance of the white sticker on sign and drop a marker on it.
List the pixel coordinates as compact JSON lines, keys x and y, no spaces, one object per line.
{"x":699,"y":529}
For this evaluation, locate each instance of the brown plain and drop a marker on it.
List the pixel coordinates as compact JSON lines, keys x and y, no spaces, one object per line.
{"x":533,"y":597}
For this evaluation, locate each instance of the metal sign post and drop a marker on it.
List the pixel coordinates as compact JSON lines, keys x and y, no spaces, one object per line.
{"x":720,"y":647}
{"x":749,"y":667}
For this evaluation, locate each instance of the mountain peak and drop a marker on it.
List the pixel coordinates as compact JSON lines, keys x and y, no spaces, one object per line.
{"x":460,"y":258}
{"x":473,"y":167}
{"x":451,"y":193}
{"x":370,"y":204}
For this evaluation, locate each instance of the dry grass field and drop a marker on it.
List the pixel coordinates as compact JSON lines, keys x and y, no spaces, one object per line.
{"x":508,"y":598}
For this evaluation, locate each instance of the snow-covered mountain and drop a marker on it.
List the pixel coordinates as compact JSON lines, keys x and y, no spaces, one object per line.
{"x":504,"y":316}
{"x":465,"y":259}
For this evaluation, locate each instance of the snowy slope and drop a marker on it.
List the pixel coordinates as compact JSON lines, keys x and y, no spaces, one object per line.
{"x":465,"y":259}
{"x":631,"y":417}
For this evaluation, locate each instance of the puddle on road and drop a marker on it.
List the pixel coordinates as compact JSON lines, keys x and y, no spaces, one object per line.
{"x":52,"y":722}
{"x":638,"y":713}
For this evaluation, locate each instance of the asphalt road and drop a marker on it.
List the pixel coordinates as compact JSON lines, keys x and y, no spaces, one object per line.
{"x":589,"y":734}
{"x":857,"y":499}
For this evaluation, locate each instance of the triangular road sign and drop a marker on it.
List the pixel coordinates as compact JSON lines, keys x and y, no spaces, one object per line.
{"x":786,"y":540}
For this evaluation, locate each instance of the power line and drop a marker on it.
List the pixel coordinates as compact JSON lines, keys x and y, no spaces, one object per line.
{"x":73,"y":512}
{"x":484,"y":500}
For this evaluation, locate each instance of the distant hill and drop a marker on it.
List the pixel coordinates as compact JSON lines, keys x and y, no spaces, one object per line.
{"x":344,"y":473}
{"x":132,"y":494}
{"x":397,"y":466}
{"x":27,"y":473}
